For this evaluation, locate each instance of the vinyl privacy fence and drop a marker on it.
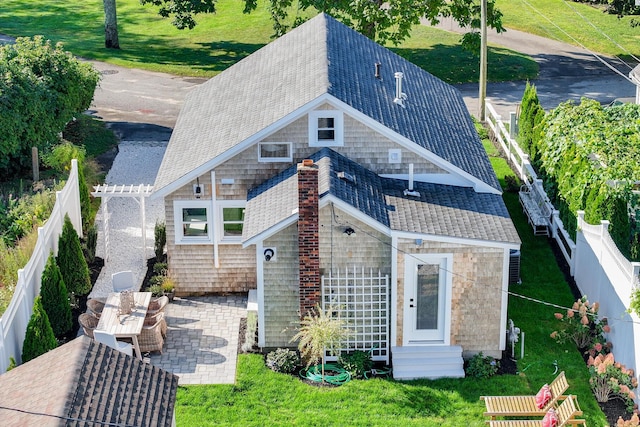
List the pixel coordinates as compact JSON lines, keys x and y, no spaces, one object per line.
{"x":600,"y":270}
{"x":13,"y":323}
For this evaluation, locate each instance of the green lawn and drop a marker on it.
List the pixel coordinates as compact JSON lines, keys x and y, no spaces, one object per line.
{"x":262,"y":397}
{"x":151,"y":42}
{"x":523,"y":15}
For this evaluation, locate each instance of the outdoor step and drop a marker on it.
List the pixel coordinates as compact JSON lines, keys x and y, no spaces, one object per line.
{"x":427,"y":362}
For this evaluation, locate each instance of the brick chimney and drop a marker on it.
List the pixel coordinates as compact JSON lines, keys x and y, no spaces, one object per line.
{"x":308,"y":239}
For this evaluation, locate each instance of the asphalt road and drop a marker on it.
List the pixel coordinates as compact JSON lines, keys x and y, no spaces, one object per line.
{"x":144,"y":105}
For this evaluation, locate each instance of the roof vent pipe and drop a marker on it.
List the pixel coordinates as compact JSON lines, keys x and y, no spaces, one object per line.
{"x":378,"y":65}
{"x":410,"y":191}
{"x":400,"y":96}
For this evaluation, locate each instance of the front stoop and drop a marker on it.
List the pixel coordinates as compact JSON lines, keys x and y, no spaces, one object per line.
{"x":432,"y":361}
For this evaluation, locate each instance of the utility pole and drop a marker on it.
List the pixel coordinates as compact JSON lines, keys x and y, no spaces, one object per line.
{"x":483,"y":59}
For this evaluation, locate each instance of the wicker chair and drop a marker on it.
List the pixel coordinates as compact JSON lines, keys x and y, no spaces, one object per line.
{"x":96,"y":305}
{"x":88,"y":322}
{"x":157,"y":306}
{"x":150,"y":339}
{"x":158,"y":317}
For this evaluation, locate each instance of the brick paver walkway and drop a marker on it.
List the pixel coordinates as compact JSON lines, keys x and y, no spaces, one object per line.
{"x":202,"y":340}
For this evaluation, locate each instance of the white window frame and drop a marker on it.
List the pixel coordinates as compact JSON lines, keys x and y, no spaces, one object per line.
{"x":289,"y":158}
{"x":181,"y":239}
{"x":338,"y":128}
{"x":222,"y":204}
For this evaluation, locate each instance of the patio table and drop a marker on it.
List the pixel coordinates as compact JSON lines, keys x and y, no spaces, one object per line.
{"x":125,"y":325}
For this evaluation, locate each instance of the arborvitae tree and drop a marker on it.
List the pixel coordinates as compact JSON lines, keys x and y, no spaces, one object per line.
{"x":39,"y":337}
{"x":55,"y":298}
{"x":85,"y":199}
{"x":73,"y":266}
{"x":529,"y":108}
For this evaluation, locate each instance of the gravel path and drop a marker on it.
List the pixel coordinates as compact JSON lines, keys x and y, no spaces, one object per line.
{"x":136,"y":163}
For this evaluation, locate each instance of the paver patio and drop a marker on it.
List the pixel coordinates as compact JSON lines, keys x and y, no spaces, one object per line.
{"x":202,"y":339}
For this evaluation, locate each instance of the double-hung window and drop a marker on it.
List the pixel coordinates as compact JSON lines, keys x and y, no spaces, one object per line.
{"x":326,"y":128}
{"x":231,"y":220}
{"x":193,"y":221}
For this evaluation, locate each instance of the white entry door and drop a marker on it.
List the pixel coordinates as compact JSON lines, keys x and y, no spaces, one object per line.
{"x":427,"y":299}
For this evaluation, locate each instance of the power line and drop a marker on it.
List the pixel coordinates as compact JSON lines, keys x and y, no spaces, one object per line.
{"x":83,"y":420}
{"x":595,"y":55}
{"x":463,"y":277}
{"x":606,"y":36}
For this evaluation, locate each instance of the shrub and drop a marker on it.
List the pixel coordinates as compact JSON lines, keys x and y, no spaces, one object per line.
{"x":73,"y":266}
{"x":481,"y":366}
{"x":55,"y":299}
{"x":611,"y":379}
{"x":160,"y":233}
{"x":634,"y":421}
{"x":12,"y":363}
{"x":160,"y":268}
{"x":156,"y":290}
{"x":283,"y":360}
{"x":91,"y":244}
{"x":357,"y":363}
{"x":582,"y":326}
{"x":39,"y":337}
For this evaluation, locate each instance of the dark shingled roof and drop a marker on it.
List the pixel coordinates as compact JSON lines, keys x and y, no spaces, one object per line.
{"x":322,"y":56}
{"x":87,"y":381}
{"x":442,"y":210}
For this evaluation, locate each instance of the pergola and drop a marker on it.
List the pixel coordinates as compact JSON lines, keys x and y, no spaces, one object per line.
{"x":138,"y":193}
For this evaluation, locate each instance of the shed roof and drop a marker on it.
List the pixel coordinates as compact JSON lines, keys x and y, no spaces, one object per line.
{"x":321,"y":57}
{"x":86,"y":381}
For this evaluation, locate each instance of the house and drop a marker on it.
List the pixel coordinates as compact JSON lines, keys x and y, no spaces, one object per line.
{"x":325,"y":169}
{"x":85,"y":383}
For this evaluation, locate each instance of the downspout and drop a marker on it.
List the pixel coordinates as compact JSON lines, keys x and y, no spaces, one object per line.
{"x":214,"y":212}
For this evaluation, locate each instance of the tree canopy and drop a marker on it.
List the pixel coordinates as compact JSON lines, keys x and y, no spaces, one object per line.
{"x":41,"y":88}
{"x":379,"y":20}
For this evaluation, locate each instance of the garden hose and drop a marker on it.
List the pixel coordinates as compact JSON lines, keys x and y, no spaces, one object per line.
{"x":314,"y":373}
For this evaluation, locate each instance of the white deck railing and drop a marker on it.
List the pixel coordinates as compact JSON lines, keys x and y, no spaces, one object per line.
{"x":13,"y":323}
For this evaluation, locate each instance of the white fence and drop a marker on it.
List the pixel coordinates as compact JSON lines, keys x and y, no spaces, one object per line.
{"x":601,"y":272}
{"x":13,"y":323}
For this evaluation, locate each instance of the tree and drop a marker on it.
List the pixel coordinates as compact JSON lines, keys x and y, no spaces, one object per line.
{"x":55,"y":298}
{"x":379,"y":20}
{"x":39,"y":337}
{"x":71,"y":261}
{"x":41,"y":88}
{"x":110,"y":25}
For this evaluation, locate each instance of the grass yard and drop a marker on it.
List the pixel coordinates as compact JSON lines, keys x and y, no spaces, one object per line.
{"x":262,"y":397}
{"x":150,"y":42}
{"x":535,"y":16}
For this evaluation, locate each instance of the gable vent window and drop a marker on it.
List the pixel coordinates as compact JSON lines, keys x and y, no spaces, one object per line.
{"x":326,"y":128}
{"x":274,"y":152}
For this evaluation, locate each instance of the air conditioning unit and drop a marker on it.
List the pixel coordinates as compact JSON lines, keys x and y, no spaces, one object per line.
{"x":514,"y":267}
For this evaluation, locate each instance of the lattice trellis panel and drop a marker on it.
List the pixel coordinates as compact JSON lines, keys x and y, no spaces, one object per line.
{"x":362,"y":300}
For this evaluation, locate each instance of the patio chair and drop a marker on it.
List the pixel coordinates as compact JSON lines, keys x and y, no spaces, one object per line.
{"x":88,"y":322}
{"x":158,"y":317}
{"x":565,"y":414}
{"x":95,"y":306}
{"x":157,"y":305}
{"x":110,"y":340}
{"x":122,"y":281}
{"x":150,"y":339}
{"x":524,"y":406}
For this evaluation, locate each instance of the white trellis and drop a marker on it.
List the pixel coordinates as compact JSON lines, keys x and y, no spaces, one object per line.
{"x":362,"y":300}
{"x":138,"y":193}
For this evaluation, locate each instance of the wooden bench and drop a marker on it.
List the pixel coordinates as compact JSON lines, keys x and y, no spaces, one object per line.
{"x":536,"y":209}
